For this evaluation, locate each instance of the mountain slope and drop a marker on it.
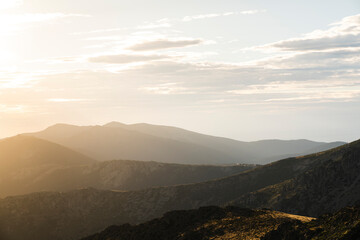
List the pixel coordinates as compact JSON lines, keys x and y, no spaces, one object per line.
{"x":239,"y":223}
{"x":170,"y":144}
{"x":201,"y":224}
{"x":263,"y":151}
{"x":325,"y":187}
{"x":23,"y":158}
{"x":105,"y":143}
{"x":344,"y":224}
{"x":118,"y":175}
{"x":82,"y":212}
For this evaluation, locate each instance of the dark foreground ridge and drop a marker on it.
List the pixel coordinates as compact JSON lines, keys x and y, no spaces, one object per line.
{"x":344,"y":224}
{"x":203,"y":223}
{"x":239,"y":223}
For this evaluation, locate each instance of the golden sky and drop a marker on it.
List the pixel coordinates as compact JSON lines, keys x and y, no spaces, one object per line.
{"x":242,"y":69}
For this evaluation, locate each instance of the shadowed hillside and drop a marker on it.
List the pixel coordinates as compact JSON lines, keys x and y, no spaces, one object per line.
{"x":117,"y":175}
{"x":28,"y":164}
{"x":204,"y":223}
{"x":239,"y":223}
{"x":344,"y":224}
{"x":325,"y":187}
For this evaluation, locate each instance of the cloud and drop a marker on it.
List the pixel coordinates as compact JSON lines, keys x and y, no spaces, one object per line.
{"x":315,"y":60}
{"x":12,"y":108}
{"x":214,"y":15}
{"x":36,"y":17}
{"x":164,"y":44}
{"x":126,"y":58}
{"x":203,"y":16}
{"x":161,"y":23}
{"x":324,"y":90}
{"x":250,"y":12}
{"x":10,"y":4}
{"x":166,"y":89}
{"x":15,"y":21}
{"x":64,"y":100}
{"x":342,"y":34}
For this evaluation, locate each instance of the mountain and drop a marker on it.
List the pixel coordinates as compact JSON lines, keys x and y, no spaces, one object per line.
{"x":203,"y":224}
{"x":106,"y":143}
{"x":116,"y":175}
{"x":325,"y":187}
{"x":78,"y":213}
{"x":147,"y":142}
{"x":263,"y":151}
{"x":24,"y":158}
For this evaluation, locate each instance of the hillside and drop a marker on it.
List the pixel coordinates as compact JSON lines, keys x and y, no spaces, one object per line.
{"x":239,"y":223}
{"x":343,"y":224}
{"x":325,"y":187}
{"x":74,"y":214}
{"x":202,"y":224}
{"x":105,"y":143}
{"x":116,"y":175}
{"x":170,"y":144}
{"x":24,"y":158}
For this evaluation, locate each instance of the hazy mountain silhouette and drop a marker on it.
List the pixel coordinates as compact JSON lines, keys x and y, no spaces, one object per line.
{"x":106,"y":143}
{"x":295,"y":184}
{"x":24,"y":158}
{"x":147,"y":142}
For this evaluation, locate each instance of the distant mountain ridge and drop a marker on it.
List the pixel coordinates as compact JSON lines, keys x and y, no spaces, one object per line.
{"x":82,"y":212}
{"x":29,"y":164}
{"x":146,"y":142}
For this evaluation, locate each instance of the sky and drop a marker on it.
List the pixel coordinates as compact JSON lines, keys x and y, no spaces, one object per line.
{"x":248,"y":70}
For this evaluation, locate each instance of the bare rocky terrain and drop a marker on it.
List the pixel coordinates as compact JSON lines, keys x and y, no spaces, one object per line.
{"x":202,"y":224}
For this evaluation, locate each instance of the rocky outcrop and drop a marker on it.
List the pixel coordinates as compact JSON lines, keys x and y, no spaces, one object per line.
{"x":202,"y":224}
{"x":344,"y":224}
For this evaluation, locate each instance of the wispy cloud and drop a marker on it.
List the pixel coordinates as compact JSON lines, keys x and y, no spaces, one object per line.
{"x":167,"y":22}
{"x":164,"y":44}
{"x":299,"y":91}
{"x":16,"y":21}
{"x":214,"y":15}
{"x":6,"y":4}
{"x":126,"y":58}
{"x":12,"y":108}
{"x":342,"y":34}
{"x":166,"y":89}
{"x":65,"y":100}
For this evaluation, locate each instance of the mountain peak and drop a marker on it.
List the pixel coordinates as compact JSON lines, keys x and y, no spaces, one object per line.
{"x":114,"y":124}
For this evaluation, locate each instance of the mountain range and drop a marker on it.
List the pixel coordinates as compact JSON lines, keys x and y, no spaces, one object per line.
{"x":29,"y":164}
{"x":146,"y":142}
{"x":308,"y":185}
